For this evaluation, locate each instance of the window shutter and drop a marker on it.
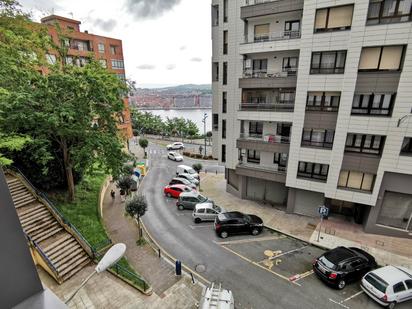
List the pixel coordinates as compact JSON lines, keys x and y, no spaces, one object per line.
{"x":262,"y":30}
{"x":391,"y":58}
{"x":320,"y":19}
{"x":340,"y":17}
{"x":369,"y":58}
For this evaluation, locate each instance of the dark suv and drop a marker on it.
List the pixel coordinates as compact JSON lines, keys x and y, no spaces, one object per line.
{"x":343,"y":265}
{"x":237,"y":223}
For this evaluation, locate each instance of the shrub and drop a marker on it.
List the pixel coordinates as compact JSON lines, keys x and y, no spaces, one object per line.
{"x":198,"y":156}
{"x":197,"y":167}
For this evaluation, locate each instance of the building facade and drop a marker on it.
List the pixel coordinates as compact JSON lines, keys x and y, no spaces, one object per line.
{"x":307,"y":98}
{"x":81,"y":45}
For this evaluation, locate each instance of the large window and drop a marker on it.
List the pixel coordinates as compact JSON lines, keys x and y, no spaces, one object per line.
{"x":113,"y":49}
{"x":262,"y":32}
{"x":334,"y":18}
{"x":356,"y":180}
{"x":215,"y":15}
{"x":253,"y":156}
{"x":290,"y":65}
{"x":224,"y":81}
{"x":215,"y":71}
{"x":381,"y":58}
{"x":318,"y":138}
{"x":389,"y":11}
{"x":225,"y":42}
{"x":225,"y":10}
{"x":373,"y":104}
{"x":406,"y":146}
{"x":287,"y":96}
{"x":328,"y":62}
{"x":255,"y":129}
{"x":215,"y":121}
{"x":260,"y":66}
{"x":281,"y":159}
{"x":224,"y":102}
{"x":223,"y":153}
{"x":323,"y":101}
{"x":364,"y":143}
{"x":117,"y":64}
{"x":223,"y":128}
{"x":313,"y":170}
{"x":100,"y":47}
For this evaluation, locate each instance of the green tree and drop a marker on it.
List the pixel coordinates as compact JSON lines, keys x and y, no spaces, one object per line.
{"x":136,"y":207}
{"x":143,"y":143}
{"x":197,"y":167}
{"x":11,"y":143}
{"x":125,"y":183}
{"x":191,"y":129}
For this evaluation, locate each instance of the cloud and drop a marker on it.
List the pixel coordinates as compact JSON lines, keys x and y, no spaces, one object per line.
{"x":196,"y":59}
{"x":146,"y":67}
{"x":182,"y":47}
{"x":147,"y":9}
{"x":170,"y":67}
{"x":106,"y":25}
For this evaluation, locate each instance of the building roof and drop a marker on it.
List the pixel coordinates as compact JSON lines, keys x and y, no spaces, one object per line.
{"x":54,"y":17}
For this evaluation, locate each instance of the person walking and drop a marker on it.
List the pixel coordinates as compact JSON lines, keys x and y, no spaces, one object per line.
{"x":200,"y":149}
{"x":112,"y":194}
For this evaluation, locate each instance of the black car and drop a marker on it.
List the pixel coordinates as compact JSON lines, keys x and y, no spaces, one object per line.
{"x":343,"y":265}
{"x":237,"y":223}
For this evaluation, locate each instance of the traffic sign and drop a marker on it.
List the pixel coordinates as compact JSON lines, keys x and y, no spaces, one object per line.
{"x":323,"y":211}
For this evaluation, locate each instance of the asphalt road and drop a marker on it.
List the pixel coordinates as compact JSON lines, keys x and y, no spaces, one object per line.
{"x":236,"y":262}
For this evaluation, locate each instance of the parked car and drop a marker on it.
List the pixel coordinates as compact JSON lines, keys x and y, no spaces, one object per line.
{"x":175,"y":156}
{"x":206,"y":212}
{"x":175,"y":190}
{"x":188,"y":200}
{"x":175,"y":146}
{"x":182,"y":181}
{"x":389,"y":285}
{"x":234,"y":222}
{"x":188,"y":170}
{"x":189,"y":177}
{"x":342,"y":265}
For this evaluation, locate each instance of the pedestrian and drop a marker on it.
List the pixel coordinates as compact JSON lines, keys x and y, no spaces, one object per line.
{"x":200,"y":149}
{"x":113,"y":194}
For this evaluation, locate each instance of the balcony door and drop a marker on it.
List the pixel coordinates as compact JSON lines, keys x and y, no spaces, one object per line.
{"x":292,"y":28}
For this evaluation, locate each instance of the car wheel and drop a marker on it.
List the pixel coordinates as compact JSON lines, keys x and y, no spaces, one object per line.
{"x":168,"y":195}
{"x":198,"y":220}
{"x":341,"y":284}
{"x":224,"y":234}
{"x":392,"y":305}
{"x":255,"y":232}
{"x":180,"y":207}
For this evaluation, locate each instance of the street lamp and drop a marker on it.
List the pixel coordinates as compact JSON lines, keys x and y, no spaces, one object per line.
{"x":112,"y":256}
{"x":204,"y":128}
{"x":403,"y":118}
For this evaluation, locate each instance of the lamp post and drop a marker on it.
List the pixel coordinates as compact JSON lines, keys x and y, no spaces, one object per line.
{"x":204,"y":128}
{"x":112,"y":256}
{"x":403,"y":118}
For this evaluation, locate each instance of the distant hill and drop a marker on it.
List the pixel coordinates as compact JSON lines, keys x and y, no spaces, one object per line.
{"x":181,"y":89}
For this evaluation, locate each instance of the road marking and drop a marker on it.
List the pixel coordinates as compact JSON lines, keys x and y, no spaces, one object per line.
{"x":353,"y":296}
{"x":179,"y":214}
{"x":338,"y":303}
{"x":244,"y":241}
{"x":193,"y":227}
{"x":275,"y":256}
{"x":305,"y":274}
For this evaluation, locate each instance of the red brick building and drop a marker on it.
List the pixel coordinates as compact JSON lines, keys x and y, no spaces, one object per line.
{"x":108,"y":51}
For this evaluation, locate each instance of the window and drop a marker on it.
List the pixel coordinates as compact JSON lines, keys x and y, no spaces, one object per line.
{"x":215,"y":71}
{"x":318,"y":138}
{"x":287,"y":96}
{"x":103,"y":63}
{"x":80,"y":45}
{"x":408,"y":284}
{"x":260,"y":66}
{"x":68,"y":60}
{"x":292,"y":26}
{"x":399,"y":287}
{"x":253,"y":156}
{"x":389,"y":11}
{"x":334,"y":18}
{"x":51,"y":59}
{"x":313,"y":170}
{"x":224,"y":102}
{"x":356,"y":180}
{"x":215,"y":15}
{"x":100,"y":47}
{"x":215,"y":121}
{"x":406,"y":146}
{"x":281,"y":159}
{"x":113,"y":49}
{"x":364,"y":143}
{"x":323,"y":101}
{"x":328,"y":62}
{"x":117,"y":64}
{"x":283,"y":129}
{"x":223,"y":153}
{"x":255,"y":129}
{"x":290,"y":65}
{"x":65,"y":42}
{"x":373,"y":104}
{"x":262,"y":32}
{"x":225,"y":42}
{"x":223,"y":128}
{"x":225,"y":10}
{"x":381,"y":58}
{"x":224,"y":82}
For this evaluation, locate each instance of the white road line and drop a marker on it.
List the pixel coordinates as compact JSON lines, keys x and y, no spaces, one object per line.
{"x":247,"y":240}
{"x":353,"y":296}
{"x":338,"y":303}
{"x":193,"y":227}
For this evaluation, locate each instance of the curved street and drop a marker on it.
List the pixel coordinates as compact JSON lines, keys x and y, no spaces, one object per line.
{"x":197,"y":246}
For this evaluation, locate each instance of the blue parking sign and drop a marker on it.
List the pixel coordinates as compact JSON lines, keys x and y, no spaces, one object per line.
{"x":323,"y":211}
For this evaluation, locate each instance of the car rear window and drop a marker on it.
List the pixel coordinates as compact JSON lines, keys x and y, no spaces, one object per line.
{"x":201,"y":198}
{"x":327,"y":263}
{"x":376,"y":282}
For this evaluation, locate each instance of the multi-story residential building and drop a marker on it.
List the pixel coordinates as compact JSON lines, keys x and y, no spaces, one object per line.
{"x":306,"y":101}
{"x":81,"y":45}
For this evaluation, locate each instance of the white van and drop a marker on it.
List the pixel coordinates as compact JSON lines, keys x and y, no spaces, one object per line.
{"x":181,"y":169}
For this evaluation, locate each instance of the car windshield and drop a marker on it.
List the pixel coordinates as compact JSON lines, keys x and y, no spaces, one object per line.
{"x":376,"y":282}
{"x":326,"y":262}
{"x":217,"y":208}
{"x":201,"y":198}
{"x":191,"y":171}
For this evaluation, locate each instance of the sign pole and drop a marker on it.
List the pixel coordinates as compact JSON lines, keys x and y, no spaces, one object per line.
{"x":320,"y":226}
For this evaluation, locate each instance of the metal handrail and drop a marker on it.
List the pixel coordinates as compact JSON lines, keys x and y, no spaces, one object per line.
{"x":288,"y":105}
{"x":274,"y":36}
{"x":268,"y":138}
{"x":254,"y":2}
{"x":42,"y":253}
{"x":264,"y":74}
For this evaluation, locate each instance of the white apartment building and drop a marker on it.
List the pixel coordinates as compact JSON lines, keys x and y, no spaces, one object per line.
{"x":307,"y":101}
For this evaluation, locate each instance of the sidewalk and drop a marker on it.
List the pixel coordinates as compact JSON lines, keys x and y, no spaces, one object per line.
{"x":335,"y":232}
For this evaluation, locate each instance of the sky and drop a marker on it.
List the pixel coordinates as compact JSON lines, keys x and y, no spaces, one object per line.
{"x":165,"y":42}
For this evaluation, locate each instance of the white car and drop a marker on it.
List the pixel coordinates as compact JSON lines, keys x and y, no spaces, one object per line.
{"x":174,"y":156}
{"x":388,"y":285}
{"x":189,"y":177}
{"x":188,"y":170}
{"x":175,"y":146}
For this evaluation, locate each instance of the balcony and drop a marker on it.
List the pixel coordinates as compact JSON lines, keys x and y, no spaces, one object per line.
{"x":262,"y":79}
{"x":254,"y":8}
{"x":270,"y":37}
{"x":287,"y":106}
{"x":269,"y":172}
{"x":267,"y":138}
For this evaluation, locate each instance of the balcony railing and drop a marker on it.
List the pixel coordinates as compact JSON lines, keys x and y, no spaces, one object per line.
{"x":265,"y":74}
{"x":265,"y":168}
{"x":274,"y":36}
{"x":327,"y":145}
{"x":286,"y":106}
{"x":268,"y":138}
{"x":254,"y":2}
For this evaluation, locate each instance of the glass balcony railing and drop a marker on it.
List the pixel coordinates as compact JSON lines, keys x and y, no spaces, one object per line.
{"x":275,"y":36}
{"x":267,"y":138}
{"x":287,"y":72}
{"x":286,"y":106}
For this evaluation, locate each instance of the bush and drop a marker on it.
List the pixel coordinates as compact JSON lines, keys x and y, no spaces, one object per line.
{"x":193,"y":155}
{"x":210,"y":157}
{"x":205,"y":157}
{"x":198,"y":156}
{"x":186,"y":153}
{"x":197,"y":167}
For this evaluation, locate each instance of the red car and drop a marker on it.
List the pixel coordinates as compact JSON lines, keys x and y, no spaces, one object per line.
{"x":175,"y":190}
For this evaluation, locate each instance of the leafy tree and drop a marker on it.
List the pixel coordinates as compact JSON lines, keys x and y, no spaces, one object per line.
{"x":191,"y":128}
{"x":11,"y":143}
{"x":125,"y":183}
{"x":127,"y":169}
{"x":136,"y":207}
{"x":143,"y":143}
{"x":197,"y":167}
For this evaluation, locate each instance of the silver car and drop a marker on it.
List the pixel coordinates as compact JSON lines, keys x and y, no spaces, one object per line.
{"x":188,"y":200}
{"x":189,"y":177}
{"x":207,"y":211}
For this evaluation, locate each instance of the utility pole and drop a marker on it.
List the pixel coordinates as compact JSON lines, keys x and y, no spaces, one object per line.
{"x":204,"y":129}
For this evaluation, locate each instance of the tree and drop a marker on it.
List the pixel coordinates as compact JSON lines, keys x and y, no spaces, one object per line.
{"x":125,"y":183}
{"x":209,"y":135}
{"x":11,"y":143}
{"x":127,"y":169}
{"x":143,"y":143}
{"x":136,"y":207}
{"x":197,"y":167}
{"x":191,"y":128}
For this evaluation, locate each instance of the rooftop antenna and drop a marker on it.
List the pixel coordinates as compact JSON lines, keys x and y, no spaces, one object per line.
{"x":71,"y":14}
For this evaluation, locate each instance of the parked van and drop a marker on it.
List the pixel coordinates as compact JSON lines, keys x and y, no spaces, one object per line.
{"x":216,"y":297}
{"x":181,"y":169}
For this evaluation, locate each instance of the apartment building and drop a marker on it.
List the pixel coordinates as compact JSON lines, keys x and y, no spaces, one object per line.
{"x":81,"y":45}
{"x":311,"y":105}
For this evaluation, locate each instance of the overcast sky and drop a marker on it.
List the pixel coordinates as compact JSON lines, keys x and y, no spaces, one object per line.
{"x":165,"y":42}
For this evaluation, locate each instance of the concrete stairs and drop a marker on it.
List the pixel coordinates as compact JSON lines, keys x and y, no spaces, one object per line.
{"x":56,"y":243}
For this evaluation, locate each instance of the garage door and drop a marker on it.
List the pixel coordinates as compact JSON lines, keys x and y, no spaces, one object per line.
{"x":307,"y":202}
{"x":276,"y":192}
{"x":255,"y":189}
{"x":396,"y":210}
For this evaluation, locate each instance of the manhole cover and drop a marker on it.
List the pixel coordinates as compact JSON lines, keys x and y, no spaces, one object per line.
{"x":200,"y":268}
